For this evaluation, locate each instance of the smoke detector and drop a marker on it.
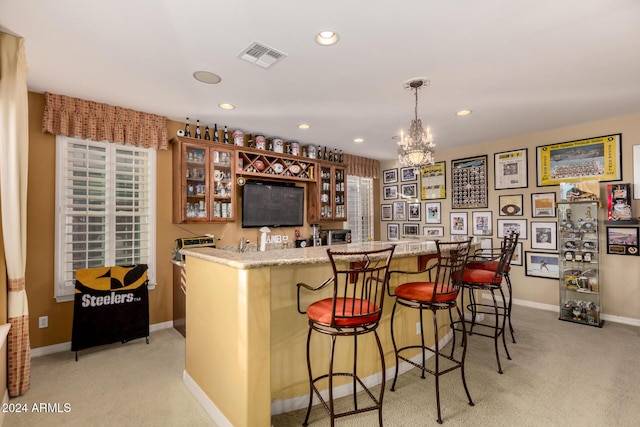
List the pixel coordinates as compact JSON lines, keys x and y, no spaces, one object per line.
{"x":261,"y":55}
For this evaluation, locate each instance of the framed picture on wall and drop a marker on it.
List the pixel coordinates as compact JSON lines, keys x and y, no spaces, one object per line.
{"x":622,"y":240}
{"x":543,"y":205}
{"x":433,"y":212}
{"x":469,"y":184}
{"x":409,"y":191}
{"x":386,"y":212}
{"x":399,"y":211}
{"x":415,"y":213}
{"x":596,"y":159}
{"x":410,"y":230}
{"x":481,"y":223}
{"x":510,"y":169}
{"x":390,"y":192}
{"x":458,"y":223}
{"x":431,"y":231}
{"x":542,"y":264}
{"x":393,"y":232}
{"x":409,"y":174}
{"x":511,"y":205}
{"x":390,"y":176}
{"x":544,"y":235}
{"x":433,"y":181}
{"x":517,"y":255}
{"x":508,"y":226}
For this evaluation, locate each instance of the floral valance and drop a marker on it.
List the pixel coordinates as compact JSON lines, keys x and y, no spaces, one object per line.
{"x":76,"y":117}
{"x":362,"y":166}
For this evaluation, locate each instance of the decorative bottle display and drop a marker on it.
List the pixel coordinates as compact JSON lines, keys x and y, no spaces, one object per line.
{"x":187,"y":129}
{"x":578,"y":267}
{"x":215,"y":133}
{"x":207,"y":136}
{"x":198,"y":134}
{"x":226,"y":135}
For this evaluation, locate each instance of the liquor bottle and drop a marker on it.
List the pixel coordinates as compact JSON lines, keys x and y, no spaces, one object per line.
{"x":215,"y":133}
{"x":340,"y":158}
{"x":330,"y":156}
{"x":187,"y":130}
{"x":335,"y":155}
{"x":319,"y":153}
{"x":207,"y":136}
{"x":226,"y":135}
{"x":198,"y":134}
{"x":324,"y":154}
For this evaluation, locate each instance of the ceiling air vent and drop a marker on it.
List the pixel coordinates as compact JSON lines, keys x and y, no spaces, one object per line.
{"x":261,"y":55}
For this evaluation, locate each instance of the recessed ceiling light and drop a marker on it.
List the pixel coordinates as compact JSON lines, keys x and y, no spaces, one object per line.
{"x":327,"y":38}
{"x":358,"y":140}
{"x":207,"y":77}
{"x":303,"y":126}
{"x":464,"y":112}
{"x":226,"y":106}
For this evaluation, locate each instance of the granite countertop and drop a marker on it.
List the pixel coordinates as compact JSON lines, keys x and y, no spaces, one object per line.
{"x":312,"y":255}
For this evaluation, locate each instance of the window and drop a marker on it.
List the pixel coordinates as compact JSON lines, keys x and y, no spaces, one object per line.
{"x":105,"y":198}
{"x":360,"y":208}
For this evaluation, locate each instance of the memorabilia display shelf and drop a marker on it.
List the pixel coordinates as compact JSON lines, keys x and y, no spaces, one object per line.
{"x":205,"y":174}
{"x":579,"y":263}
{"x":328,"y":195}
{"x":203,"y":181}
{"x":268,"y":164}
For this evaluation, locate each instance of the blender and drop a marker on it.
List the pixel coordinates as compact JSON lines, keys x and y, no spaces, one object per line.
{"x":315,"y":235}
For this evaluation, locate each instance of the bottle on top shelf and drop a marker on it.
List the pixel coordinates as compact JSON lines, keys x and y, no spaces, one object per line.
{"x":198,"y":134}
{"x":340,"y":158}
{"x":324,"y":153}
{"x":215,"y":133}
{"x":187,"y":129}
{"x":207,"y":136}
{"x":226,"y":135}
{"x":335,"y":155}
{"x":330,"y":156}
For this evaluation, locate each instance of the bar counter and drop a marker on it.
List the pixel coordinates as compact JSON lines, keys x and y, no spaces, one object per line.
{"x":246,"y":341}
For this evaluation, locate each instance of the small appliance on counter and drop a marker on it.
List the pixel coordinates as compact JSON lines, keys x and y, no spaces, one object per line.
{"x":192,"y":242}
{"x":335,"y":237}
{"x":315,"y":235}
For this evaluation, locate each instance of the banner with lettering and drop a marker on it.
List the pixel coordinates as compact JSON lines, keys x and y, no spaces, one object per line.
{"x":111,"y":304}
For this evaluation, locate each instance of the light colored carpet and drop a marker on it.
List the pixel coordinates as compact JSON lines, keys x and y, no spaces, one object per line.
{"x":561,"y":374}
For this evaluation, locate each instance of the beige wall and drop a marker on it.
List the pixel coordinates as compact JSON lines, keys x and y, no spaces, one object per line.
{"x":41,"y":222}
{"x":618,"y":274}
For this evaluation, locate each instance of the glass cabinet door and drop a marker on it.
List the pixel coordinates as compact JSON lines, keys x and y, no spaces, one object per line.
{"x":222,"y":183}
{"x":196,"y":177}
{"x":325,"y":192}
{"x":340,"y":194}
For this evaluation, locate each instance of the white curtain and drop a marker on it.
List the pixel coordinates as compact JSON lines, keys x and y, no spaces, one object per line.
{"x":14,"y":145}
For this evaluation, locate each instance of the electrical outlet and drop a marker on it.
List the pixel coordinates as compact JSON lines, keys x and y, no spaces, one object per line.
{"x":417,"y":328}
{"x":43,"y":321}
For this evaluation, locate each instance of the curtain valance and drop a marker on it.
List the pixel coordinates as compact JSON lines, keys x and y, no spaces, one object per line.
{"x":362,"y":166}
{"x":76,"y":117}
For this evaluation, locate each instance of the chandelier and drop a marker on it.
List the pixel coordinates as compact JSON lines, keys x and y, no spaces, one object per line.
{"x":416,"y":149}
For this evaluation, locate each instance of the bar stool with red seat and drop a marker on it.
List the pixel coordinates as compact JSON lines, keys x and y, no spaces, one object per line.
{"x":487,"y":259}
{"x":355,"y":308}
{"x":475,"y":280}
{"x":438,"y":291}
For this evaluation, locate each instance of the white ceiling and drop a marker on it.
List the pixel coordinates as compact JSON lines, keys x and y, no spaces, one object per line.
{"x":522,"y":67}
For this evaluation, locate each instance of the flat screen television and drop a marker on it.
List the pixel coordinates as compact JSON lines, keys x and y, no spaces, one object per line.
{"x":271,"y":204}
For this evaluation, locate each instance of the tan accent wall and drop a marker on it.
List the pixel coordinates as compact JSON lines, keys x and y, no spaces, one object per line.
{"x":40,"y":236}
{"x":618,"y":274}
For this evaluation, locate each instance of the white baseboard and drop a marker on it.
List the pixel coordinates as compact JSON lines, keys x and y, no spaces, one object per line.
{"x":66,"y":346}
{"x":209,"y":407}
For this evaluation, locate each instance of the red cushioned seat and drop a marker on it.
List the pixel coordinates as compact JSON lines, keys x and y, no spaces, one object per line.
{"x":320,"y":311}
{"x":491,"y":265}
{"x":423,"y":291}
{"x":480,"y":276}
